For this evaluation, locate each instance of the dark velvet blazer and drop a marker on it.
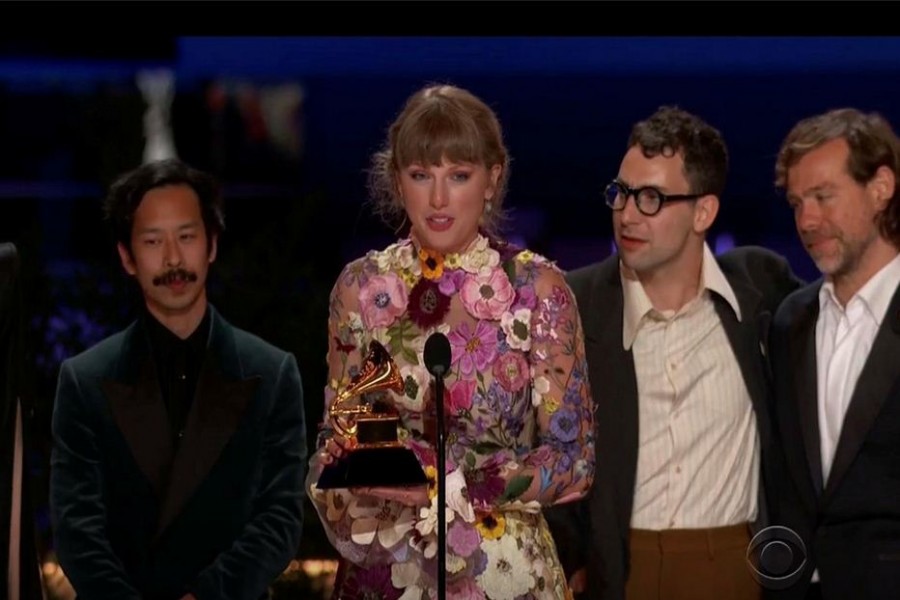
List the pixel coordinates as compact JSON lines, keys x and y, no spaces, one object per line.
{"x":220,"y":517}
{"x":850,"y":524}
{"x":595,"y":532}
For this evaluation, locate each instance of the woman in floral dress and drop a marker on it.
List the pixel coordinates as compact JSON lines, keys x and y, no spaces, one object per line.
{"x":519,"y":428}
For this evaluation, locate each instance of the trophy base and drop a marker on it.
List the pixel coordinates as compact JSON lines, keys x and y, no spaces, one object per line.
{"x":394,"y":466}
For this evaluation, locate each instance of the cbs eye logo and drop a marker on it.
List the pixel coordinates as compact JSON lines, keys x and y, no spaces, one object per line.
{"x":776,"y":556}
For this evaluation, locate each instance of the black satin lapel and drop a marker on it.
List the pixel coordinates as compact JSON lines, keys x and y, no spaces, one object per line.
{"x":879,"y":375}
{"x":806,"y":389}
{"x":614,"y":385}
{"x":140,"y":414}
{"x":624,"y":410}
{"x":214,"y":417}
{"x":749,"y":351}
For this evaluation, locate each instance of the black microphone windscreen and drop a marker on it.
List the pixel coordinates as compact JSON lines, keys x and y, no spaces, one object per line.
{"x":437,"y":354}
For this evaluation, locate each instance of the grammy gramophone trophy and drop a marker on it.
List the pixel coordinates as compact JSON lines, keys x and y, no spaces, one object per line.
{"x":379,"y":458}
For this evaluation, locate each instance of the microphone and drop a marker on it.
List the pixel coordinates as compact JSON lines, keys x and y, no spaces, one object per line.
{"x":437,"y":356}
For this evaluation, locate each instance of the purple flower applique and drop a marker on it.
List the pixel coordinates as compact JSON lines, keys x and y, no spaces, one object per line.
{"x":473,"y":350}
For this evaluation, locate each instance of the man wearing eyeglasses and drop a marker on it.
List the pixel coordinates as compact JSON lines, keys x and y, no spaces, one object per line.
{"x":675,"y":339}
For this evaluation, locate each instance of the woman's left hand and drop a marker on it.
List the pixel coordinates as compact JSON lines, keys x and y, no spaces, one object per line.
{"x":410,"y":496}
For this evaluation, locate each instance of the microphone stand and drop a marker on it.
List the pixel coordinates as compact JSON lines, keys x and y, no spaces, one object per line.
{"x":437,"y":356}
{"x":441,"y":485}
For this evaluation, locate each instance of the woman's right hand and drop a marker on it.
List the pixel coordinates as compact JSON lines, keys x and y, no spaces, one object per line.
{"x":335,"y":447}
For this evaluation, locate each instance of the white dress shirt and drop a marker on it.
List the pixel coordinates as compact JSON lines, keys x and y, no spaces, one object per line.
{"x":698,"y":452}
{"x":844,"y":336}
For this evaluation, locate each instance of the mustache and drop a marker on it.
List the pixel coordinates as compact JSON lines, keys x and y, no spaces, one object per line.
{"x":174,"y":275}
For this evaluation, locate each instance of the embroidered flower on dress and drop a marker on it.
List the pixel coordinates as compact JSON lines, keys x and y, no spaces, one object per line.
{"x":464,"y":589}
{"x":491,"y":526}
{"x":431,"y":478}
{"x":383,"y":299}
{"x":485,"y":483}
{"x":541,"y":388}
{"x":426,"y":526}
{"x":451,"y":281}
{"x":371,"y":517}
{"x":457,"y":497}
{"x":374,"y":582}
{"x":526,"y":297}
{"x":459,"y":396}
{"x":452,"y":261}
{"x":354,"y":325}
{"x":427,"y":304}
{"x":400,"y":256}
{"x":517,"y":326}
{"x":565,"y":425}
{"x":343,"y":347}
{"x":336,"y":504}
{"x":415,"y":383}
{"x":432,"y":264}
{"x":487,"y":296}
{"x":511,"y":371}
{"x":463,"y":538}
{"x":480,"y":257}
{"x":508,"y":574}
{"x":406,"y":576}
{"x":473,"y":350}
{"x":525,"y":256}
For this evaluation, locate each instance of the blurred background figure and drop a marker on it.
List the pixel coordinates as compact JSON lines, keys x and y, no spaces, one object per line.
{"x":20,"y":576}
{"x":158,"y":90}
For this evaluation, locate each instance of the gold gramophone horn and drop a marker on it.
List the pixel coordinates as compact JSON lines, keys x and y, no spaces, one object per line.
{"x":378,"y":372}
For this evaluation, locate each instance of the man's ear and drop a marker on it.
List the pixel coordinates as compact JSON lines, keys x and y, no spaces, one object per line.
{"x":126,"y":258}
{"x":213,"y":248}
{"x":882,"y":186}
{"x":705,"y":210}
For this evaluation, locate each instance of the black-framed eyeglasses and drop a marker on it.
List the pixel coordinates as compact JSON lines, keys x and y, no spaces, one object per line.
{"x":648,"y":199}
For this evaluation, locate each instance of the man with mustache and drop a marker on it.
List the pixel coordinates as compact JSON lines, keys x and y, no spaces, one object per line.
{"x":676,"y":347}
{"x":179,"y":443}
{"x":835,"y":354}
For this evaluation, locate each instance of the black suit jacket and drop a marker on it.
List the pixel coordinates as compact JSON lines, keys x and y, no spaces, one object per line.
{"x":221,"y":517}
{"x":850,"y":524}
{"x":595,"y":532}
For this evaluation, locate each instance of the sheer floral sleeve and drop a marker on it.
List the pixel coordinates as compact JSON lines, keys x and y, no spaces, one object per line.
{"x":346,"y":518}
{"x":555,"y":463}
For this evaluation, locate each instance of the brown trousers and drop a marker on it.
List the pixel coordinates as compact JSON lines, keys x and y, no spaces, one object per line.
{"x":691,"y":564}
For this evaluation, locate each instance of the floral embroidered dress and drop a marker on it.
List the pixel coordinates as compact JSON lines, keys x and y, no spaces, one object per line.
{"x":519,"y":419}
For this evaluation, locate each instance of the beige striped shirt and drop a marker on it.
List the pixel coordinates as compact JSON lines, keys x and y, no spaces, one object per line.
{"x":698,"y":453}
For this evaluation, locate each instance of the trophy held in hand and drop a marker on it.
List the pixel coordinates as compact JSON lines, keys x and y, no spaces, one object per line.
{"x":378,"y":458}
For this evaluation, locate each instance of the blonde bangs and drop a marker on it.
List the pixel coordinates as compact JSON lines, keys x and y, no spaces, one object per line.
{"x":439,"y":132}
